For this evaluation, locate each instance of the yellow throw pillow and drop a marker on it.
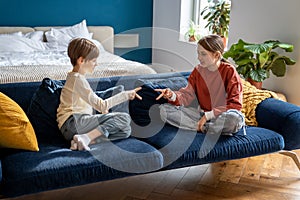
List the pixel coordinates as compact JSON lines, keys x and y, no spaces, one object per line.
{"x":16,"y":130}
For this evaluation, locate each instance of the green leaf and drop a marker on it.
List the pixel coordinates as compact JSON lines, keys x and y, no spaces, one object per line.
{"x":244,"y":70}
{"x":288,"y":60}
{"x":258,"y":48}
{"x":244,"y":61}
{"x":258,"y":75}
{"x":278,"y":67}
{"x":262,"y":59}
{"x":286,"y":47}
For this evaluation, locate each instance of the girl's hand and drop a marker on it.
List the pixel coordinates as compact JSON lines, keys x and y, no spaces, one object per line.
{"x":166,"y":93}
{"x":201,"y":123}
{"x":133,"y":94}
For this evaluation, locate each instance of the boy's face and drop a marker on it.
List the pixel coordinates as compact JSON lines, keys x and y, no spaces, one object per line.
{"x":88,"y":66}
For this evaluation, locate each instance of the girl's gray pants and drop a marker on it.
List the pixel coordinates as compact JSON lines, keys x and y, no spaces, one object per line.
{"x":227,"y":123}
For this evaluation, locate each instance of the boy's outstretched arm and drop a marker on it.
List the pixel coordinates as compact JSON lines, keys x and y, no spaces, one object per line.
{"x":134,"y":94}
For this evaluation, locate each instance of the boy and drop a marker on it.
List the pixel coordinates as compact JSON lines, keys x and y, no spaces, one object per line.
{"x":75,"y":115}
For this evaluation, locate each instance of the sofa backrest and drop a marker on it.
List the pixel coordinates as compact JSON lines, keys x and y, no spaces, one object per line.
{"x":41,"y":108}
{"x":22,"y":92}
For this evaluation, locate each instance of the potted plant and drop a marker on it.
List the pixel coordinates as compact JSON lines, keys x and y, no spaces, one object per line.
{"x":192,"y":33}
{"x":217,"y":15}
{"x":255,"y":61}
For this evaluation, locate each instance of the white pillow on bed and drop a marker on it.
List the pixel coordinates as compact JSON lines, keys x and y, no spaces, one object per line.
{"x":62,"y":36}
{"x":16,"y":43}
{"x":19,"y":33}
{"x":35,"y":35}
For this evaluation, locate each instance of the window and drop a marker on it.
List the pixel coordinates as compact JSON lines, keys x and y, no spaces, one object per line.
{"x":191,"y":19}
{"x":198,"y":6}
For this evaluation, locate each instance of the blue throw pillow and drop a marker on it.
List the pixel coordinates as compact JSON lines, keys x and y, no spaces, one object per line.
{"x":42,"y":111}
{"x":123,"y":107}
{"x":139,"y":110}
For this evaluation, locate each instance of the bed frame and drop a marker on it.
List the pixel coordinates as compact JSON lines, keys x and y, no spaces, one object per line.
{"x":104,"y":34}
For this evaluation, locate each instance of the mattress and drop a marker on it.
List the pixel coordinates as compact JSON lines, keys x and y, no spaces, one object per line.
{"x":35,"y":66}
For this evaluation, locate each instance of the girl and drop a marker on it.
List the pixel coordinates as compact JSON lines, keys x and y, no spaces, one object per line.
{"x":217,"y":87}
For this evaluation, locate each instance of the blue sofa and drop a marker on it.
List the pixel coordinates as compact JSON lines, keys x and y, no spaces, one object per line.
{"x":153,"y":146}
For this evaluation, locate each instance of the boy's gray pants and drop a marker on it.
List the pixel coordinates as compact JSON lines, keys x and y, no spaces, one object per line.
{"x":227,"y":123}
{"x":113,"y":126}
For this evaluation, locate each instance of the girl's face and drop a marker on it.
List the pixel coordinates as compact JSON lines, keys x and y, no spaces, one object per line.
{"x":206,"y":58}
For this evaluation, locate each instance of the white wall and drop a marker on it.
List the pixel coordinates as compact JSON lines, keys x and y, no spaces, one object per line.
{"x":167,"y":49}
{"x":253,"y":21}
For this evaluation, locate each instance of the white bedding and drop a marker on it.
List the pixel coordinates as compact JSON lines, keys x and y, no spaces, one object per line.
{"x":34,"y":66}
{"x":34,"y":54}
{"x":10,"y":58}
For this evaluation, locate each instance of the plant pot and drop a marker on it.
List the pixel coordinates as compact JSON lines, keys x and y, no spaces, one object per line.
{"x":258,"y":85}
{"x":192,"y":38}
{"x":224,"y":41}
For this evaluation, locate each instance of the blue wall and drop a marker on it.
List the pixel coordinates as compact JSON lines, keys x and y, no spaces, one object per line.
{"x":122,"y":15}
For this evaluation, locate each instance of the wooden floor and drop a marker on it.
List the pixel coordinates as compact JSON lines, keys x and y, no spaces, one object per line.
{"x":273,"y":176}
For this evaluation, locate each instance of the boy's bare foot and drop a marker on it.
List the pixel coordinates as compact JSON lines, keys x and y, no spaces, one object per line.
{"x":74,"y":145}
{"x":82,"y":141}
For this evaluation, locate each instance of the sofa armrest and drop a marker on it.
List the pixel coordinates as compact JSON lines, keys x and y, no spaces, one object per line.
{"x":0,"y":176}
{"x":281,"y":117}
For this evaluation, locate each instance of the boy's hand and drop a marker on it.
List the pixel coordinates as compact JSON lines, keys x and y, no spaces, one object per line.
{"x":133,"y":94}
{"x":166,"y":93}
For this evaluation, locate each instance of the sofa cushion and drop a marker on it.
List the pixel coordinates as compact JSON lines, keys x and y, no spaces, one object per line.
{"x":181,"y":148}
{"x":16,"y":130}
{"x":42,"y":111}
{"x":145,"y":111}
{"x":56,"y":166}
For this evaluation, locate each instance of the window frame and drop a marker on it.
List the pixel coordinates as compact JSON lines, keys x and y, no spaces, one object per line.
{"x":191,"y":11}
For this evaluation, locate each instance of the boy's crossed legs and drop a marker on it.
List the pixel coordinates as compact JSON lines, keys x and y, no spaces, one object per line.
{"x":83,"y":130}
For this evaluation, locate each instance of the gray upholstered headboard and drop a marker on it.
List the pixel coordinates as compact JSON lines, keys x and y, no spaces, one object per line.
{"x":104,"y":34}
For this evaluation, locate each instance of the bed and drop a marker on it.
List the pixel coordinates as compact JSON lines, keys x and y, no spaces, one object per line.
{"x":29,"y":54}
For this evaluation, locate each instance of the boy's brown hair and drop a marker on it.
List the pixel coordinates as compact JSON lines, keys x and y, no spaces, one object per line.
{"x":82,"y":47}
